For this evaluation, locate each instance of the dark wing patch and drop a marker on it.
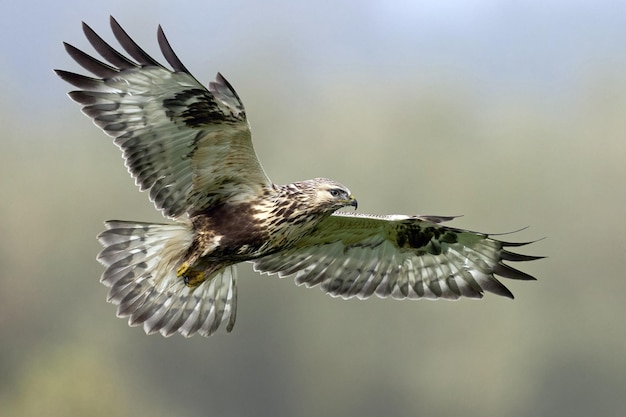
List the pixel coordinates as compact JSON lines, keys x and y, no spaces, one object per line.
{"x":189,"y":146}
{"x":197,"y":108}
{"x":420,"y":237}
{"x":398,"y":256}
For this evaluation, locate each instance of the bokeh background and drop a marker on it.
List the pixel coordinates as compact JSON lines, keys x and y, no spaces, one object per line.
{"x":510,"y":113}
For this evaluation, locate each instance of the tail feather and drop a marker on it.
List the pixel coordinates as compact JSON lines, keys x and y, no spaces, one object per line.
{"x":141,"y":261}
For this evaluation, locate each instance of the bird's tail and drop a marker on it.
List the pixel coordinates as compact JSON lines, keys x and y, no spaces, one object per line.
{"x":141,"y":261}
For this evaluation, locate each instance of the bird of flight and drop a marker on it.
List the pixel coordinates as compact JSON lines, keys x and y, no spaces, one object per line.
{"x":190,"y":147}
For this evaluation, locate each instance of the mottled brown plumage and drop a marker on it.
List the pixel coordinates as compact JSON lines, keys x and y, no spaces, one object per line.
{"x":190,"y":147}
{"x":226,"y":234}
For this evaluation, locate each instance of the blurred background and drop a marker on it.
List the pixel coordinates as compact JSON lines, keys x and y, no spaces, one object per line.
{"x":510,"y":113}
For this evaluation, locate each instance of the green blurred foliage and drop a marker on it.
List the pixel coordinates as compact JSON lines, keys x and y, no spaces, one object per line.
{"x":403,"y":146}
{"x":74,"y":380}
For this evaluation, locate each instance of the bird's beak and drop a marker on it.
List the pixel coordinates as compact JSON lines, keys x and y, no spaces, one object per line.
{"x":352,"y":201}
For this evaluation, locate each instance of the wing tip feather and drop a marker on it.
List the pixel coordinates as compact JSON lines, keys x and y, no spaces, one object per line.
{"x":506,"y":271}
{"x":130,"y":46}
{"x":168,"y":52}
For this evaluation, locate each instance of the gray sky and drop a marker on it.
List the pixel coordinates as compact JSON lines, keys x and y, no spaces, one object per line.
{"x":544,"y":45}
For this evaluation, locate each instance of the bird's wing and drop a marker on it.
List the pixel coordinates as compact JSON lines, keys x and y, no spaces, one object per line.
{"x":189,"y":146}
{"x":399,"y":256}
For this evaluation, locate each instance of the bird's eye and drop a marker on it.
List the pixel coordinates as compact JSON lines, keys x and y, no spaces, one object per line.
{"x":335,"y":192}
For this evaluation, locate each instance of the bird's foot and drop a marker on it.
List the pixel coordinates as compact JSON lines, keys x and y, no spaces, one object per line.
{"x":182,"y":270}
{"x":192,"y":278}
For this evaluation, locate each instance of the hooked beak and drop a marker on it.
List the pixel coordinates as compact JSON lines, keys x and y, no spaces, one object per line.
{"x":352,"y":202}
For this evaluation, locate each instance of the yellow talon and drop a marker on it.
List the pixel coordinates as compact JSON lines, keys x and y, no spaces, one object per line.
{"x":194,"y":278}
{"x":182,"y":270}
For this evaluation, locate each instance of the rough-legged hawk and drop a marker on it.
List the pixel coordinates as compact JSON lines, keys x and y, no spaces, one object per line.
{"x":191,"y":148}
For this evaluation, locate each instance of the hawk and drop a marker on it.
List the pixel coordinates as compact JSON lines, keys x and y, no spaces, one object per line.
{"x":190,"y":147}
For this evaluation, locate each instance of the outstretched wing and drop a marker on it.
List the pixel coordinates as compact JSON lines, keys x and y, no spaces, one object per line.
{"x":189,"y":146}
{"x":398,"y":256}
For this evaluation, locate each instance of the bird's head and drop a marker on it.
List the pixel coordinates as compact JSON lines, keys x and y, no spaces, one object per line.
{"x":331,"y":195}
